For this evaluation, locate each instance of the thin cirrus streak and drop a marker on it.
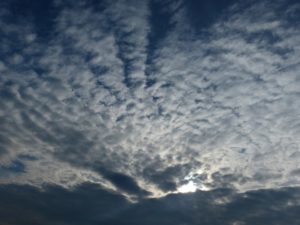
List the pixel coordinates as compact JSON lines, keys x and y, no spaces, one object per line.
{"x":104,"y":99}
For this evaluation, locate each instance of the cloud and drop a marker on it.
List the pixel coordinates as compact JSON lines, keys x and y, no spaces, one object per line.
{"x":15,"y":167}
{"x":90,"y":204}
{"x":107,"y":88}
{"x":56,"y":205}
{"x":123,"y":182}
{"x":227,"y":88}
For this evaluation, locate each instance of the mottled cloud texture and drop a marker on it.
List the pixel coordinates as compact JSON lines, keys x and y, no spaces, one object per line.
{"x":129,"y":100}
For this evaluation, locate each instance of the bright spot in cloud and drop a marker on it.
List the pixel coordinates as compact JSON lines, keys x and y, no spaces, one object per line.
{"x":189,"y":187}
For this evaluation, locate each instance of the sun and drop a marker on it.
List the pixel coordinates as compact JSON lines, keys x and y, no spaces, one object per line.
{"x":187,"y":188}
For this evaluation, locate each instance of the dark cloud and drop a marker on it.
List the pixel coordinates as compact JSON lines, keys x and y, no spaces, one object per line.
{"x":90,"y":204}
{"x":87,"y":204}
{"x":123,"y":182}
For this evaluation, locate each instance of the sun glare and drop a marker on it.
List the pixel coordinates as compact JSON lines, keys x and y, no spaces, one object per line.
{"x":189,"y":187}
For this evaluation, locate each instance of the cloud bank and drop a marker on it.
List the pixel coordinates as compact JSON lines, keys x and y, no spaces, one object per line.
{"x":90,"y":204}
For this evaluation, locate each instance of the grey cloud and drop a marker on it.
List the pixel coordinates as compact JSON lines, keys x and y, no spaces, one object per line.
{"x":91,"y":204}
{"x":15,"y":167}
{"x":223,"y":179}
{"x":295,"y":172}
{"x":4,"y":144}
{"x":123,"y":182}
{"x":73,"y":204}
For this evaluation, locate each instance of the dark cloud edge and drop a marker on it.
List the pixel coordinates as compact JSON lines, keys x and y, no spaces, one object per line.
{"x":91,"y":204}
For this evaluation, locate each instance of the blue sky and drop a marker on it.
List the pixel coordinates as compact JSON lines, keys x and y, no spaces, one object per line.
{"x":181,"y":111}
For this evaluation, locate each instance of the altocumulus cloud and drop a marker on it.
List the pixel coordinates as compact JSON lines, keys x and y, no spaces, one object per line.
{"x":107,"y":102}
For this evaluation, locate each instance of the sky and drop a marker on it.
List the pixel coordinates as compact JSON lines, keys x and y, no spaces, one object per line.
{"x":159,"y":112}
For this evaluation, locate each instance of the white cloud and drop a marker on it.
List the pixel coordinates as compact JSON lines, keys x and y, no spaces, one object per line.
{"x":226,"y":103}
